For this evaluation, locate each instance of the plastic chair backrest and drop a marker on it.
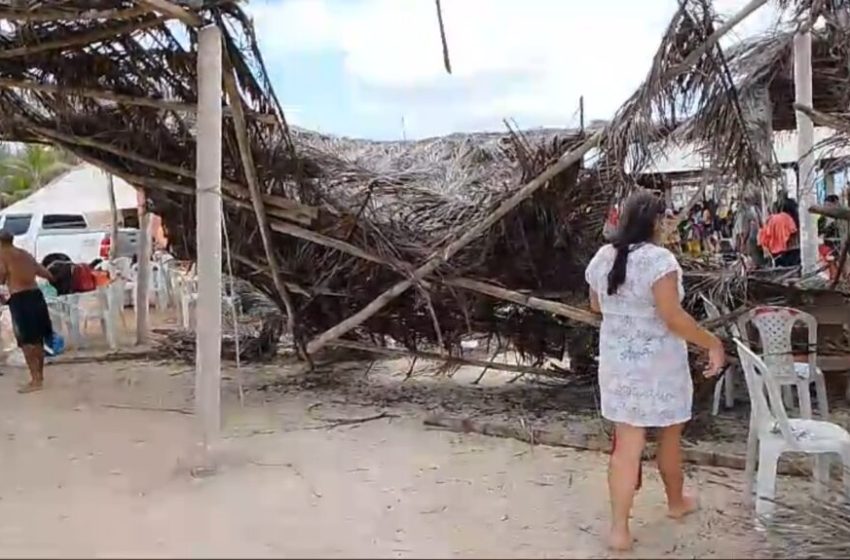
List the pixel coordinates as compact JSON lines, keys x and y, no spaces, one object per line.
{"x":775,"y":326}
{"x":769,"y":411}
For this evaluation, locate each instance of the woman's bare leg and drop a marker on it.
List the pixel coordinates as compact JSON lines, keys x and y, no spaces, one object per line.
{"x":622,"y":481}
{"x":669,"y":457}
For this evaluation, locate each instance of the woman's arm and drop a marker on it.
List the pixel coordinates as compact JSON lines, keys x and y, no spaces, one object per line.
{"x":666,"y":294}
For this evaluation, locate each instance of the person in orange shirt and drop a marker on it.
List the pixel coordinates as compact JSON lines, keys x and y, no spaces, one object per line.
{"x":779,"y":237}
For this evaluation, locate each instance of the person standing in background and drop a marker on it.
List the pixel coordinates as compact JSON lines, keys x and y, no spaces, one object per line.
{"x":746,"y":230}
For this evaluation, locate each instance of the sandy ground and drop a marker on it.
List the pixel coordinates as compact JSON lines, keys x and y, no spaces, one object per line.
{"x":81,"y":475}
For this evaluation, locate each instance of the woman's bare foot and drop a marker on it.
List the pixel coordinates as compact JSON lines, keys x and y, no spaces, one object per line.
{"x":620,"y":540}
{"x":31,"y":387}
{"x":689,"y":505}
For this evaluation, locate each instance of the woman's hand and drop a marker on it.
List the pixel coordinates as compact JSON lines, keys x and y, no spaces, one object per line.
{"x":716,"y":359}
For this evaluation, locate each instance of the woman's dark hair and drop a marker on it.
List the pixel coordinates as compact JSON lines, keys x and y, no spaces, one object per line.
{"x":789,"y":206}
{"x":637,"y":225}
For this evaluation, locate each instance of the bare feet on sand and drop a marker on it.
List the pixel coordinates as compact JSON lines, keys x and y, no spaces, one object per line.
{"x":620,"y":540}
{"x":689,"y":505}
{"x":31,"y":387}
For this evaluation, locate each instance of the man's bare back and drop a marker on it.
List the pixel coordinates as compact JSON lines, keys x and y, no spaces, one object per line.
{"x":18,"y":270}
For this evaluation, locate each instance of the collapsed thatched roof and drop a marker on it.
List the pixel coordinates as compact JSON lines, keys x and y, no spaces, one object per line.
{"x":115,"y":83}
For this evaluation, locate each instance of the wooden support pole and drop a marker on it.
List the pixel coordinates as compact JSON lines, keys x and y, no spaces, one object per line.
{"x":143,"y":261}
{"x":564,"y":162}
{"x":113,"y":214}
{"x":208,"y":201}
{"x":806,"y":192}
{"x":247,"y":157}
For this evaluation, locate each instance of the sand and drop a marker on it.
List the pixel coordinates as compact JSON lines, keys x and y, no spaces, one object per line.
{"x":81,"y":475}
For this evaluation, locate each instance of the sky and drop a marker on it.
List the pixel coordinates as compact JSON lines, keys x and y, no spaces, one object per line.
{"x":374,"y":68}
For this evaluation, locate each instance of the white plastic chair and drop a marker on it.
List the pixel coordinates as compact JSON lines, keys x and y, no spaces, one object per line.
{"x":726,"y":381}
{"x":94,"y":305}
{"x":121,"y":272}
{"x":774,"y":326}
{"x":772,"y":433}
{"x":156,"y":290}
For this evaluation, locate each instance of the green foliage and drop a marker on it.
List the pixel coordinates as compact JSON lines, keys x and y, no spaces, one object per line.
{"x":24,"y":171}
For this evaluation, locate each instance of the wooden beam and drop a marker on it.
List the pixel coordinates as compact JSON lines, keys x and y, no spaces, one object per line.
{"x":446,"y":61}
{"x":48,"y":15}
{"x":283,"y":207}
{"x":174,"y":11}
{"x":96,"y":36}
{"x":553,"y":307}
{"x":143,"y":260}
{"x":839,"y":121}
{"x":714,"y":39}
{"x":244,"y":144}
{"x":398,"y":353}
{"x":837,"y":212}
{"x":160,"y":104}
{"x":805,"y":151}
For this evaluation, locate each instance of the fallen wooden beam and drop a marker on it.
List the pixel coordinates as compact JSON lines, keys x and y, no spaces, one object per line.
{"x":553,"y":307}
{"x":243,"y":142}
{"x":403,"y":353}
{"x":579,"y":436}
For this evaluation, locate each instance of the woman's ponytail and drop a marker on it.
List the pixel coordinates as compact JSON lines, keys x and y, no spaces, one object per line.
{"x":617,"y":275}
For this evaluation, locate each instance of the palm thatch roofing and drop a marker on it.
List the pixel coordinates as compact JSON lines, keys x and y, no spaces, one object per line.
{"x":386,"y":238}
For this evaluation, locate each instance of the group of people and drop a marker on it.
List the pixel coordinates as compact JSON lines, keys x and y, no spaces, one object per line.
{"x":741,"y":230}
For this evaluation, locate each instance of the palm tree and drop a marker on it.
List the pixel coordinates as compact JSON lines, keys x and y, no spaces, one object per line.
{"x":29,"y":170}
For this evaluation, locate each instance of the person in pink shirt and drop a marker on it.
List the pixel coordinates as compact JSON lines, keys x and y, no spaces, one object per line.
{"x":779,"y":238}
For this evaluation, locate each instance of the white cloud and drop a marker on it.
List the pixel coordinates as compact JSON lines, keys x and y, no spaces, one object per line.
{"x":526,"y":60}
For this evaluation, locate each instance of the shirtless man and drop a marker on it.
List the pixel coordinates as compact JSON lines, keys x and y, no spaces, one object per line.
{"x":30,"y":318}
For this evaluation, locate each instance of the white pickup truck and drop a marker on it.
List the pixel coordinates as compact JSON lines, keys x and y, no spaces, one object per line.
{"x":65,"y":235}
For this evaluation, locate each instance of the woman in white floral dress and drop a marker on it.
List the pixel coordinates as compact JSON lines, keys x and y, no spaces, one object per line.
{"x":644,"y":378}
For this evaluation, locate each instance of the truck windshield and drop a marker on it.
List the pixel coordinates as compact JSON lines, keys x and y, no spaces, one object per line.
{"x":17,"y":224}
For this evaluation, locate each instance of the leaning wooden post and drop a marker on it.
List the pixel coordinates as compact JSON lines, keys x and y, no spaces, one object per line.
{"x":244,"y":143}
{"x":806,"y":192}
{"x":208,"y":174}
{"x":143,"y":272}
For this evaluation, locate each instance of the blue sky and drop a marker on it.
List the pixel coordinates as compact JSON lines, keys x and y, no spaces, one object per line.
{"x":373,"y":68}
